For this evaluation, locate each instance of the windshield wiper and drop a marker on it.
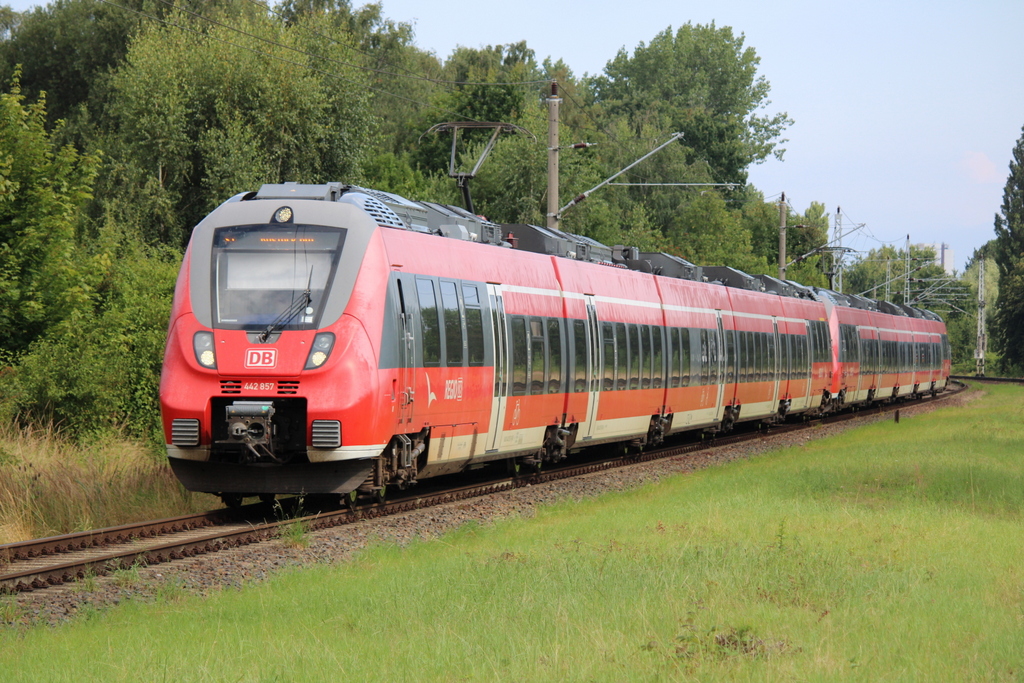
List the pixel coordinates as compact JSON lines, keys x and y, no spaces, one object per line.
{"x":298,"y":305}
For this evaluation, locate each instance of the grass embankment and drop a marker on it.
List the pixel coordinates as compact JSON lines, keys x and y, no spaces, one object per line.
{"x":892,"y":552}
{"x":50,"y":485}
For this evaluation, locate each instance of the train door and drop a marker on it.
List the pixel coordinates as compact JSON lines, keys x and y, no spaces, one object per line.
{"x":775,"y":361}
{"x":406,"y":358}
{"x":499,"y":337}
{"x":593,"y":363}
{"x":723,"y":368}
{"x":804,"y":356}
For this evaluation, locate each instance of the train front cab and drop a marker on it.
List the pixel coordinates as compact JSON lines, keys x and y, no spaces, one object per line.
{"x":251,"y":391}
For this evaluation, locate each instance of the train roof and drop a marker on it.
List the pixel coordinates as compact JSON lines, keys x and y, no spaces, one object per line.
{"x":395,"y":211}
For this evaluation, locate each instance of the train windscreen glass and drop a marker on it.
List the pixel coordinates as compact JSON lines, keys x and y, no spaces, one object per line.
{"x":273,"y":275}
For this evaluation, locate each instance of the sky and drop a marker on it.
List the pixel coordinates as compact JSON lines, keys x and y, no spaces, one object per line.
{"x":905,"y":112}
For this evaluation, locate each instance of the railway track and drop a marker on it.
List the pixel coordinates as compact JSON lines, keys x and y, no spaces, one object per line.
{"x":983,"y":379}
{"x":38,"y":564}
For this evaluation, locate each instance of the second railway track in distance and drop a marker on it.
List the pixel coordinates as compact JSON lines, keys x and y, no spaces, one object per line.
{"x":38,"y":564}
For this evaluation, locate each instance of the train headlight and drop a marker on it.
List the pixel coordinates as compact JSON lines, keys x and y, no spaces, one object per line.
{"x":202,"y":344}
{"x":322,"y":345}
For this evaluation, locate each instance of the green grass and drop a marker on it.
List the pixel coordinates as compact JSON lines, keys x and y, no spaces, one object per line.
{"x":890,"y":553}
{"x":52,"y":485}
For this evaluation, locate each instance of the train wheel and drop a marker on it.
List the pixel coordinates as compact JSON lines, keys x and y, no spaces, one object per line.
{"x":231,"y":500}
{"x":351,"y":499}
{"x":380,"y":494}
{"x":513,"y":467}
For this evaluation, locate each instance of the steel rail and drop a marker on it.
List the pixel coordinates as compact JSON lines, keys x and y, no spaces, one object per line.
{"x":983,"y":379}
{"x":51,"y":561}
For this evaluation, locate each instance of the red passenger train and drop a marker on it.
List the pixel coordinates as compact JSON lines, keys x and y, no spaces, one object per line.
{"x":329,"y":339}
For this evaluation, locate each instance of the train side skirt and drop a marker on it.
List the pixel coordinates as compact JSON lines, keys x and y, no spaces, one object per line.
{"x":340,"y":476}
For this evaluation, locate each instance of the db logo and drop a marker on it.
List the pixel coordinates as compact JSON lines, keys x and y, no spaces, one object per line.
{"x":261,"y":358}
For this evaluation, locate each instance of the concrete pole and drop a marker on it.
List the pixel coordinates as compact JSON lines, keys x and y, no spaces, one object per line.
{"x":979,"y":351}
{"x":837,"y":260}
{"x":553,"y":103}
{"x":906,"y":270}
{"x":782,"y":237}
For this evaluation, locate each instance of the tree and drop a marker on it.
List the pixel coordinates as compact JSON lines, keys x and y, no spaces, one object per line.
{"x":487,"y":88}
{"x":1008,"y":321}
{"x":703,"y":82}
{"x":43,"y":279}
{"x":708,"y":234}
{"x":196,"y":117}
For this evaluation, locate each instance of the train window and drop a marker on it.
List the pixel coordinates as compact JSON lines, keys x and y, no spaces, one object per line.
{"x":759,"y":355}
{"x":634,"y":356}
{"x":794,"y":357}
{"x":673,"y":357}
{"x":429,"y":321}
{"x":621,"y":357}
{"x":705,"y":360}
{"x":757,"y":358}
{"x":738,"y":350}
{"x":751,"y":356}
{"x":801,"y":356}
{"x":608,"y":342}
{"x":538,"y":356}
{"x":752,"y":362}
{"x":645,"y":356}
{"x":452,"y":324}
{"x":812,"y":339}
{"x":684,"y":356}
{"x":520,"y":356}
{"x":554,"y":355}
{"x":762,"y":356}
{"x":714,"y":355}
{"x":701,"y":359}
{"x":657,"y":356}
{"x":258,"y":276}
{"x":783,"y":356}
{"x":805,"y":370}
{"x":475,"y":335}
{"x":743,"y":355}
{"x":579,"y":342}
{"x":730,"y":356}
{"x":474,"y":325}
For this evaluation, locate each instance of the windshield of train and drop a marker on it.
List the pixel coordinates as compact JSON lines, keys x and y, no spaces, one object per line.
{"x":273,"y":275}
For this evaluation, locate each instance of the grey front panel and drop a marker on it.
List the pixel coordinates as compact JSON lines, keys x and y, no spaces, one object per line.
{"x":319,"y":213}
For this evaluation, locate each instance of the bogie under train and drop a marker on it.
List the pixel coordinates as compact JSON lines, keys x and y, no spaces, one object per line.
{"x":329,"y":339}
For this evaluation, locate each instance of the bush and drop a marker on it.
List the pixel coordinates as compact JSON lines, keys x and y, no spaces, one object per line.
{"x":100,"y":370}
